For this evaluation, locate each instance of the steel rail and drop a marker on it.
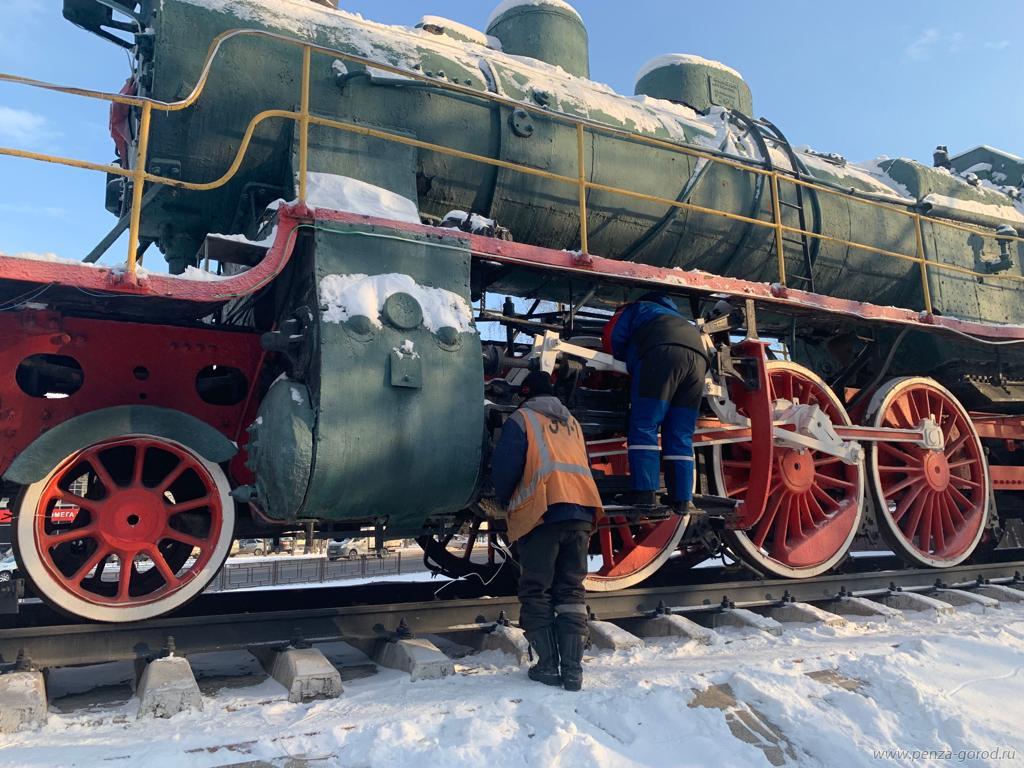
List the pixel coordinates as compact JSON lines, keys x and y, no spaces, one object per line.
{"x":79,"y":644}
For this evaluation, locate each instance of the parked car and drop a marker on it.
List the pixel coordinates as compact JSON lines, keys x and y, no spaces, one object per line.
{"x":8,"y":566}
{"x":353,"y":548}
{"x":249,"y":547}
{"x":286,"y":544}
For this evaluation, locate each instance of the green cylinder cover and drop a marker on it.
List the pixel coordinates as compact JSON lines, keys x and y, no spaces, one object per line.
{"x":696,"y":82}
{"x":280,"y":449}
{"x":547,"y":30}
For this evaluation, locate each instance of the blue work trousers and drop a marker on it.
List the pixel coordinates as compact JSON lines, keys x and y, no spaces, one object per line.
{"x":667,"y":387}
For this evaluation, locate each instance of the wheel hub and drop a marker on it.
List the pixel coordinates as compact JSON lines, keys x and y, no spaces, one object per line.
{"x":133,"y":517}
{"x":936,"y":470}
{"x":797,"y":470}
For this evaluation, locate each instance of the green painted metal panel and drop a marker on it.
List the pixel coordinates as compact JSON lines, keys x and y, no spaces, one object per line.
{"x":391,"y":425}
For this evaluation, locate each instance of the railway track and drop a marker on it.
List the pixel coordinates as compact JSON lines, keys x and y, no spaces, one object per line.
{"x":360,"y":615}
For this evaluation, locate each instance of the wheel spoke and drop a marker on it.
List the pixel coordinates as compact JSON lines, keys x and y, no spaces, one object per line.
{"x":172,"y":477}
{"x":956,"y":496}
{"x":892,"y":450}
{"x":605,"y":536}
{"x":470,"y":542}
{"x":139,"y":463}
{"x":781,"y":528}
{"x":817,"y":512}
{"x":764,"y":525}
{"x":826,"y":461}
{"x":736,"y":463}
{"x":912,"y":411}
{"x":124,"y":578}
{"x":184,"y":538}
{"x":939,"y":507}
{"x":67,"y":497}
{"x":835,"y":482}
{"x":832,"y":506}
{"x":170,"y":578}
{"x":916,"y":511}
{"x":96,"y":464}
{"x":85,"y":532}
{"x":951,"y":450}
{"x":905,"y":483}
{"x":100,"y":553}
{"x":905,"y":503}
{"x":947,"y":514}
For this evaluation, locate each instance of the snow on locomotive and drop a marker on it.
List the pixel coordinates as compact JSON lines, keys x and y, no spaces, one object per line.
{"x":320,"y":359}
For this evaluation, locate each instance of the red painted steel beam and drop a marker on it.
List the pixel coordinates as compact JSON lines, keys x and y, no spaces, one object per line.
{"x":122,"y":363}
{"x":292,"y":217}
{"x":1007,"y":478}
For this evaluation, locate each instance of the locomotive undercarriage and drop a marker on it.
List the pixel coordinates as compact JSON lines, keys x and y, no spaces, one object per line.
{"x":807,"y":423}
{"x":861,"y":460}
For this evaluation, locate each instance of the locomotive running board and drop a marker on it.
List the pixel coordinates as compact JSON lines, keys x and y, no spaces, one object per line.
{"x":292,"y":217}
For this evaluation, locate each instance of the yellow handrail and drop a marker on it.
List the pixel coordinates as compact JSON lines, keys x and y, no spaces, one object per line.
{"x":304,"y":118}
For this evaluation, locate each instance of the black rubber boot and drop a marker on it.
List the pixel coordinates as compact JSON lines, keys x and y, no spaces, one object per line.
{"x":545,"y":643}
{"x":686,"y":508}
{"x":570,"y":646}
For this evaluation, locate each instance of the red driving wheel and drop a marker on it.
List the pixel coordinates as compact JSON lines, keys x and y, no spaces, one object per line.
{"x":125,"y":529}
{"x":932,"y":504}
{"x":625,"y":551}
{"x":814,"y":505}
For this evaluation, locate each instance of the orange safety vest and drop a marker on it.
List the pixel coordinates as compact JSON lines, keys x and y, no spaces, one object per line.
{"x":557,"y":471}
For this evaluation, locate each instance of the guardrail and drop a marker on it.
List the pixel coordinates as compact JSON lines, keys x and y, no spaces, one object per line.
{"x":140,"y":176}
{"x":305,"y":570}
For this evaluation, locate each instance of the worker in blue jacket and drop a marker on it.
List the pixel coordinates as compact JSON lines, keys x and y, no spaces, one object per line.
{"x":668,"y":362}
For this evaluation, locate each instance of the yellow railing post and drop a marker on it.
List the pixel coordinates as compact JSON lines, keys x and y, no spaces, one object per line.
{"x":780,"y":245}
{"x":139,"y":182}
{"x":922,"y":262}
{"x":307,"y":56}
{"x":581,"y":163}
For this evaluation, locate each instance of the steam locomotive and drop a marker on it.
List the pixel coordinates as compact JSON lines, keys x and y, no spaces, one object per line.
{"x":339,"y":202}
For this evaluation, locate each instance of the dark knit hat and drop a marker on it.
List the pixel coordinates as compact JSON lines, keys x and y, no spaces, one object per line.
{"x":536,"y":384}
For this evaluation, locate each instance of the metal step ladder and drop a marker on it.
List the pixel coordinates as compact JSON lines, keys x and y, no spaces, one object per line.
{"x":808,"y":246}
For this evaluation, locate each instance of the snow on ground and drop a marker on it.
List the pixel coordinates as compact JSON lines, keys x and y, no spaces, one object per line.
{"x":945,"y":691}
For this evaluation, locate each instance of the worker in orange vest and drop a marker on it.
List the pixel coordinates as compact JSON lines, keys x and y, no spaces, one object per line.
{"x":542,"y":476}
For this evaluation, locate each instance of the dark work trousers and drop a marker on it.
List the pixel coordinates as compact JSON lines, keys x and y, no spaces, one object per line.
{"x":553,"y":558}
{"x":667,"y":388}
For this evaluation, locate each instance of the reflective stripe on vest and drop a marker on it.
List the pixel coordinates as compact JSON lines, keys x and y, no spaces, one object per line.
{"x":547,"y":465}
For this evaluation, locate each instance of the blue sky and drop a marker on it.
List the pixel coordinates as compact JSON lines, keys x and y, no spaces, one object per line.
{"x":860,"y":78}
